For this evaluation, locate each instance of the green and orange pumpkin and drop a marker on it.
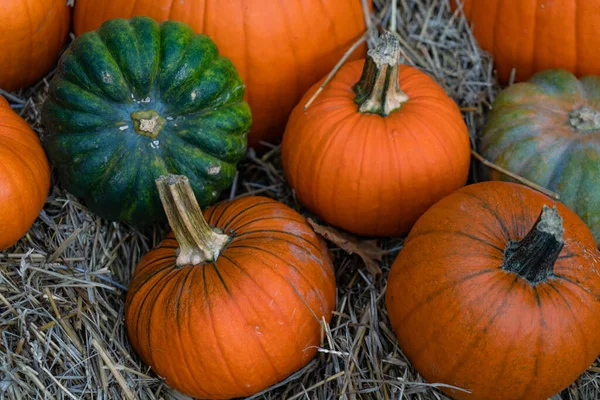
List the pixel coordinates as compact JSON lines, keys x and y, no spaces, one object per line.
{"x":546,"y":130}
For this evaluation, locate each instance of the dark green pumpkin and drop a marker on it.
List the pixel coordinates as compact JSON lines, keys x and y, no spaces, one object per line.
{"x":548,"y":131}
{"x":135,"y":100}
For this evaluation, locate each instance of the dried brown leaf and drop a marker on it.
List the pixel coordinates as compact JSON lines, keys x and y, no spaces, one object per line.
{"x":367,"y":250}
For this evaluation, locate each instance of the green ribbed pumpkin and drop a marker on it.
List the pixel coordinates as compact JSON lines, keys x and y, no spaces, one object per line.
{"x":548,"y":131}
{"x":135,"y":100}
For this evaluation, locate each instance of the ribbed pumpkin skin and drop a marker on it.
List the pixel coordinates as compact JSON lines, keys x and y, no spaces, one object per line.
{"x":374,"y":175}
{"x":241,"y":324}
{"x":528,"y":132}
{"x":24,"y":176}
{"x":279,"y":47}
{"x":132,"y":65}
{"x":485,"y":329}
{"x":33,"y":34}
{"x":533,"y":35}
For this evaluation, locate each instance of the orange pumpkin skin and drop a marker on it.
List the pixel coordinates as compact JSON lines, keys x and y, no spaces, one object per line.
{"x":24,"y":176}
{"x":280,"y":48}
{"x":34,"y":33}
{"x":374,"y":175}
{"x":464,"y":321}
{"x":240,"y":325}
{"x":533,"y":35}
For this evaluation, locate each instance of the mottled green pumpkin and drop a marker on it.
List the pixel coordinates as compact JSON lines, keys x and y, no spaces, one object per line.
{"x":548,"y":131}
{"x":135,"y":100}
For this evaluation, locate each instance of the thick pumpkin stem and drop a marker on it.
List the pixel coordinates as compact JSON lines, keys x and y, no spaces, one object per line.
{"x":198,"y":242}
{"x":147,"y":123}
{"x":534,"y":256}
{"x":378,"y":90}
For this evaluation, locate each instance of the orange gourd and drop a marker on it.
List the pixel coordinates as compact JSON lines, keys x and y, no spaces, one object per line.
{"x":533,"y":35}
{"x":33,"y":34}
{"x":280,"y":48}
{"x":229,"y":308}
{"x":496,"y":291}
{"x":24,"y":176}
{"x":377,"y":147}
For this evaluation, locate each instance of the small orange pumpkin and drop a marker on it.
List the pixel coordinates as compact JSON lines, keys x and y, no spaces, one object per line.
{"x":33,"y":34}
{"x":378,"y":146}
{"x":496,"y":292}
{"x":229,"y":308}
{"x":24,"y":176}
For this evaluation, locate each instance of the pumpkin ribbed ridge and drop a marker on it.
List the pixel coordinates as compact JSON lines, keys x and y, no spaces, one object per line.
{"x":24,"y":176}
{"x":34,"y":33}
{"x":533,"y":35}
{"x":532,"y":132}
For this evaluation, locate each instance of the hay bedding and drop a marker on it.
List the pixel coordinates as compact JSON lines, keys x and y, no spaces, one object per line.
{"x":62,"y":286}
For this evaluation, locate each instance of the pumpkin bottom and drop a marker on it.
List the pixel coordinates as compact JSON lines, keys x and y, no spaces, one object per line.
{"x":149,"y":145}
{"x":215,"y":344}
{"x":495,"y":359}
{"x":15,"y":225}
{"x":384,"y":210}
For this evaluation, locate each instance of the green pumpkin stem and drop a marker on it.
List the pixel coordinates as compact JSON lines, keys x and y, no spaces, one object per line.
{"x":533,"y":257}
{"x":147,"y":123}
{"x":198,"y":242}
{"x":378,"y":90}
{"x":585,"y":119}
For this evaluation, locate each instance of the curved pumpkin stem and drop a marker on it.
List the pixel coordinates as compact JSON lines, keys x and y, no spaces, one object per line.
{"x":378,"y":90}
{"x":533,"y":257}
{"x":198,"y":242}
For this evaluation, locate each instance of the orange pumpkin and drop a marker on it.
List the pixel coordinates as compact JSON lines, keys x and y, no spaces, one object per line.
{"x":377,"y":147}
{"x":533,"y":35}
{"x":24,"y":176}
{"x":496,"y":291}
{"x":33,"y":34}
{"x":229,"y":308}
{"x":280,"y":48}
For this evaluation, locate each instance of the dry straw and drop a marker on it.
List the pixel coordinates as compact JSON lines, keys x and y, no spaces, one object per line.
{"x":62,"y":286}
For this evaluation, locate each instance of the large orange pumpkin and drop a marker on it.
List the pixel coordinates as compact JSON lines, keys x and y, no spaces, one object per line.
{"x":280,"y":48}
{"x":33,"y":34}
{"x":377,"y":147}
{"x":230,"y":308}
{"x":24,"y":176}
{"x":533,"y":35}
{"x":496,"y":291}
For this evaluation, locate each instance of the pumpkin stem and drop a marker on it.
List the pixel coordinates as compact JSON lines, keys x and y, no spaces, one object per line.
{"x":534,"y":256}
{"x":585,"y":119}
{"x":378,"y":90}
{"x":147,"y":123}
{"x":198,"y":242}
